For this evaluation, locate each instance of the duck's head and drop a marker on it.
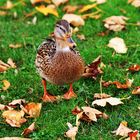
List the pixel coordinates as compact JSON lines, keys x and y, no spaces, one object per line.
{"x":63,"y":33}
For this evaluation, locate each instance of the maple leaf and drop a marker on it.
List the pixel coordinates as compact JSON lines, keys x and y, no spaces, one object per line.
{"x":119,"y":85}
{"x":135,"y":3}
{"x":5,"y":107}
{"x":133,"y":135}
{"x":123,"y":130}
{"x":76,"y":110}
{"x":17,"y":102}
{"x":75,"y":20}
{"x":29,"y":130}
{"x":32,"y":109}
{"x":89,"y":114}
{"x":14,"y":118}
{"x":70,"y":8}
{"x":136,"y":90}
{"x":93,"y":70}
{"x":50,"y":9}
{"x":118,"y":45}
{"x":111,"y":100}
{"x":115,"y":23}
{"x":71,"y":133}
{"x":81,"y":36}
{"x":134,"y":68}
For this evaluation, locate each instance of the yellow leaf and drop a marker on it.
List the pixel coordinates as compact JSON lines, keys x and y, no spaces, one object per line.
{"x":50,"y":9}
{"x":87,"y":7}
{"x":6,"y":84}
{"x":38,"y":1}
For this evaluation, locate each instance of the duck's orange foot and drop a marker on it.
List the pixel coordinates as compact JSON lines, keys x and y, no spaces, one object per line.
{"x":68,"y":95}
{"x":49,"y":98}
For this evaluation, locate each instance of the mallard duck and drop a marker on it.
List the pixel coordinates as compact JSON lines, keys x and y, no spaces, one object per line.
{"x":58,"y":62}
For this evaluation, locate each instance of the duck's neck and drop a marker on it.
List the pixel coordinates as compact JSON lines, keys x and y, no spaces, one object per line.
{"x":62,"y":46}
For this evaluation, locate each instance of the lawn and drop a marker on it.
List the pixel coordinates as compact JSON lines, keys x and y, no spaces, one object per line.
{"x":26,"y":83}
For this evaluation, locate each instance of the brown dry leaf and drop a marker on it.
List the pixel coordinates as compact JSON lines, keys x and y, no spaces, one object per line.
{"x":33,"y":2}
{"x":3,"y":66}
{"x":15,"y":46}
{"x":118,"y":45}
{"x":5,"y":107}
{"x":119,"y":85}
{"x":14,"y":138}
{"x":71,"y":133}
{"x":11,"y":63}
{"x":136,"y":90}
{"x":75,"y":20}
{"x":122,"y":130}
{"x":111,"y":100}
{"x":14,"y":118}
{"x":3,"y":13}
{"x":76,"y":110}
{"x":50,"y":9}
{"x":70,"y":8}
{"x":81,"y":36}
{"x":98,"y":1}
{"x":17,"y":102}
{"x":90,"y":114}
{"x":135,"y":3}
{"x":134,"y":68}
{"x":33,"y":109}
{"x":6,"y":84}
{"x":87,"y":7}
{"x":58,"y":2}
{"x":133,"y":135}
{"x":101,"y":96}
{"x":29,"y":130}
{"x":115,"y":23}
{"x":9,"y":5}
{"x":93,"y":70}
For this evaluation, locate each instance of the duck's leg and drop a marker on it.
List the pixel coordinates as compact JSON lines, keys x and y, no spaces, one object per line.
{"x":47,"y":97}
{"x":70,"y":94}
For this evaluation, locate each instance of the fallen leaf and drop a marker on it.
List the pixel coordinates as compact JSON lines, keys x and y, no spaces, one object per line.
{"x":76,"y":110}
{"x":3,"y":13}
{"x":15,"y":46}
{"x":136,"y":90}
{"x":104,"y":33}
{"x":81,"y":36}
{"x":33,"y":109}
{"x":6,"y":84}
{"x":135,"y":3}
{"x":58,"y":2}
{"x":11,"y":63}
{"x":93,"y":70}
{"x":9,"y":5}
{"x":134,"y":68}
{"x":14,"y":118}
{"x":17,"y":102}
{"x":71,"y":133}
{"x":122,"y":130}
{"x":14,"y":138}
{"x":33,"y":2}
{"x":101,"y":96}
{"x":87,"y":7}
{"x":5,"y":107}
{"x":98,"y":1}
{"x":94,"y":15}
{"x":50,"y":9}
{"x":3,"y":66}
{"x":119,"y":85}
{"x":133,"y":135}
{"x":111,"y":100}
{"x":29,"y":130}
{"x":70,"y":8}
{"x":115,"y":23}
{"x":74,"y":19}
{"x":118,"y":45}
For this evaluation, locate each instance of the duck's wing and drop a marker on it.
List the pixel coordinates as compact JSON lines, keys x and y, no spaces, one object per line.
{"x":47,"y":49}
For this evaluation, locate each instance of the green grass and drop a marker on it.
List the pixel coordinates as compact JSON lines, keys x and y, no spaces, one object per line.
{"x":51,"y":124}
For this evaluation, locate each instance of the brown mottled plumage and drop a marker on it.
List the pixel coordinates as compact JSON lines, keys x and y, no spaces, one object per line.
{"x":56,"y":61}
